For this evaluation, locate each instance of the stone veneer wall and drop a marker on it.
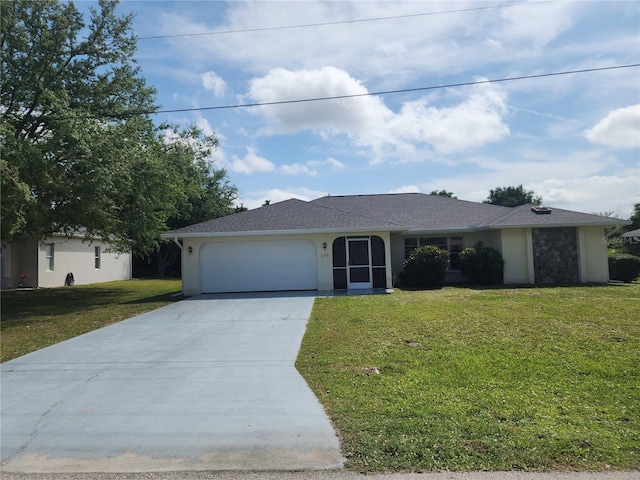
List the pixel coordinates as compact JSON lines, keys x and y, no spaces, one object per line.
{"x":555,"y":255}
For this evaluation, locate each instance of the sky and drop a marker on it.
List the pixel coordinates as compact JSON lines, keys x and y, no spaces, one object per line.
{"x":573,"y":139}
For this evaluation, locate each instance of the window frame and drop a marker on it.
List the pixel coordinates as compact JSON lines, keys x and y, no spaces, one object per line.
{"x":97,"y":258}
{"x":441,"y":242}
{"x":49,"y":255}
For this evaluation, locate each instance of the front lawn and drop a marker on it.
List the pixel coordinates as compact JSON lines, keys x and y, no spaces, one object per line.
{"x":34,"y":319}
{"x":481,"y":379}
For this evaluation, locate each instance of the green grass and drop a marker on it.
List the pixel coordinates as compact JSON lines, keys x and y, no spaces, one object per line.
{"x":34,"y":319}
{"x":473,"y":379}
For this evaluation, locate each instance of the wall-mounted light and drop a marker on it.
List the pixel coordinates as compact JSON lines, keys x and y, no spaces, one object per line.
{"x":190,"y":249}
{"x":324,"y":245}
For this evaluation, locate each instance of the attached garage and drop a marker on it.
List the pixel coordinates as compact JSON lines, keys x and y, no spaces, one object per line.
{"x":254,"y":266}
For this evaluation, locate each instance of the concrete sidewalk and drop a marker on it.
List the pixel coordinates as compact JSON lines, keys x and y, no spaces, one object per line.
{"x":339,"y":475}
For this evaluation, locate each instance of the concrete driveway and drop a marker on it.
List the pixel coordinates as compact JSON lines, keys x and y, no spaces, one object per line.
{"x":207,"y":383}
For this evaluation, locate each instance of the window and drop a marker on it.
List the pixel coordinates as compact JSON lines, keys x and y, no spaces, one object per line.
{"x":96,"y":257}
{"x":49,"y":257}
{"x":453,"y":245}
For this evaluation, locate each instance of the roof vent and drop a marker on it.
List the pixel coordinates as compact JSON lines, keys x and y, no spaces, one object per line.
{"x":540,"y":210}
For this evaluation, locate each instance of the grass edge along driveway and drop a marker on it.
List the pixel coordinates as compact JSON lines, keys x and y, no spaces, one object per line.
{"x":34,"y":319}
{"x":481,"y":379}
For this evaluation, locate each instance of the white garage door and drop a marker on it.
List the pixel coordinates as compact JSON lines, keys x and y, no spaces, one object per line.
{"x":254,"y":266}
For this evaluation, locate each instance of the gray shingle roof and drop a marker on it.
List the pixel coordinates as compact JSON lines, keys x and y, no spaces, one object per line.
{"x":524,"y":216}
{"x":417,"y":211}
{"x":289,"y":215}
{"x":403,"y":212}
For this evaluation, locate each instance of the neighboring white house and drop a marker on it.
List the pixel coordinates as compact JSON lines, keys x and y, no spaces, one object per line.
{"x":361,"y":241}
{"x":46,"y":263}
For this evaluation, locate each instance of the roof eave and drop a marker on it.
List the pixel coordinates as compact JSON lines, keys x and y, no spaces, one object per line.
{"x":431,"y":231}
{"x":552,"y":225}
{"x":256,"y":233}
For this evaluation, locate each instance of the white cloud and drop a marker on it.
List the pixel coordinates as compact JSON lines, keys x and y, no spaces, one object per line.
{"x":250,"y":163}
{"x":312,"y":167}
{"x":619,"y":129}
{"x":474,"y":122}
{"x":472,"y":119}
{"x":335,"y":164}
{"x":332,"y":163}
{"x":406,"y":189}
{"x":274,"y":195}
{"x":204,"y":125}
{"x":211,"y":81}
{"x":592,"y":194}
{"x":584,"y":181}
{"x":297,"y":169}
{"x":343,"y":115}
{"x":534,"y":26}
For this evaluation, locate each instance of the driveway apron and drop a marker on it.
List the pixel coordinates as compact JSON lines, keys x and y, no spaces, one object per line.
{"x":207,"y":383}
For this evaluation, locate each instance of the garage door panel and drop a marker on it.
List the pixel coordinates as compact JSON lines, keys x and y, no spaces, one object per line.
{"x":248,"y":266}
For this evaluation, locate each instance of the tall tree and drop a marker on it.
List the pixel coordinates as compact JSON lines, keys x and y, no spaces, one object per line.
{"x":75,"y":154}
{"x":512,"y":197}
{"x":66,"y":146}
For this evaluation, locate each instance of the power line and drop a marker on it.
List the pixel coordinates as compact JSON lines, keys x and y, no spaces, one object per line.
{"x":369,"y":94}
{"x":342,"y":22}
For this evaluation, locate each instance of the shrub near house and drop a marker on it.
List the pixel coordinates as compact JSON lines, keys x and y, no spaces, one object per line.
{"x":426,"y":267}
{"x":482,"y":265}
{"x":624,"y":267}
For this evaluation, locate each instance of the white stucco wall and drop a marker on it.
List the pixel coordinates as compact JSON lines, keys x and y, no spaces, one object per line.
{"x":593,"y":257}
{"x":72,"y":255}
{"x":517,"y":251}
{"x":192,"y":284}
{"x":514,"y":253}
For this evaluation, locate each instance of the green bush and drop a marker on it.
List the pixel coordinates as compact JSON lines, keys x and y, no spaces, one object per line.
{"x":426,"y":267}
{"x":624,"y":267}
{"x":482,"y":265}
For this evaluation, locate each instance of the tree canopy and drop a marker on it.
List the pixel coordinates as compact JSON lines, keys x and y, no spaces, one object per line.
{"x":442,"y":193}
{"x":80,"y":151}
{"x":512,"y":197}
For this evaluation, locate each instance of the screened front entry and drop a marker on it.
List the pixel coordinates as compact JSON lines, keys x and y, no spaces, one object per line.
{"x":359,"y":263}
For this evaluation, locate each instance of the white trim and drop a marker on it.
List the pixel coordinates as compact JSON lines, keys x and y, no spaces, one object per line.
{"x":555,"y":225}
{"x":402,"y":231}
{"x":531,"y":272}
{"x":359,"y":285}
{"x":582,"y":256}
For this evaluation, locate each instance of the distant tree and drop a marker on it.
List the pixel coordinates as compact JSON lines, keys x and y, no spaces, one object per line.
{"x":608,"y":213}
{"x":266,"y":203}
{"x":203,"y":192}
{"x":635,"y":218}
{"x":632,"y":246}
{"x":442,"y":193}
{"x":512,"y":197}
